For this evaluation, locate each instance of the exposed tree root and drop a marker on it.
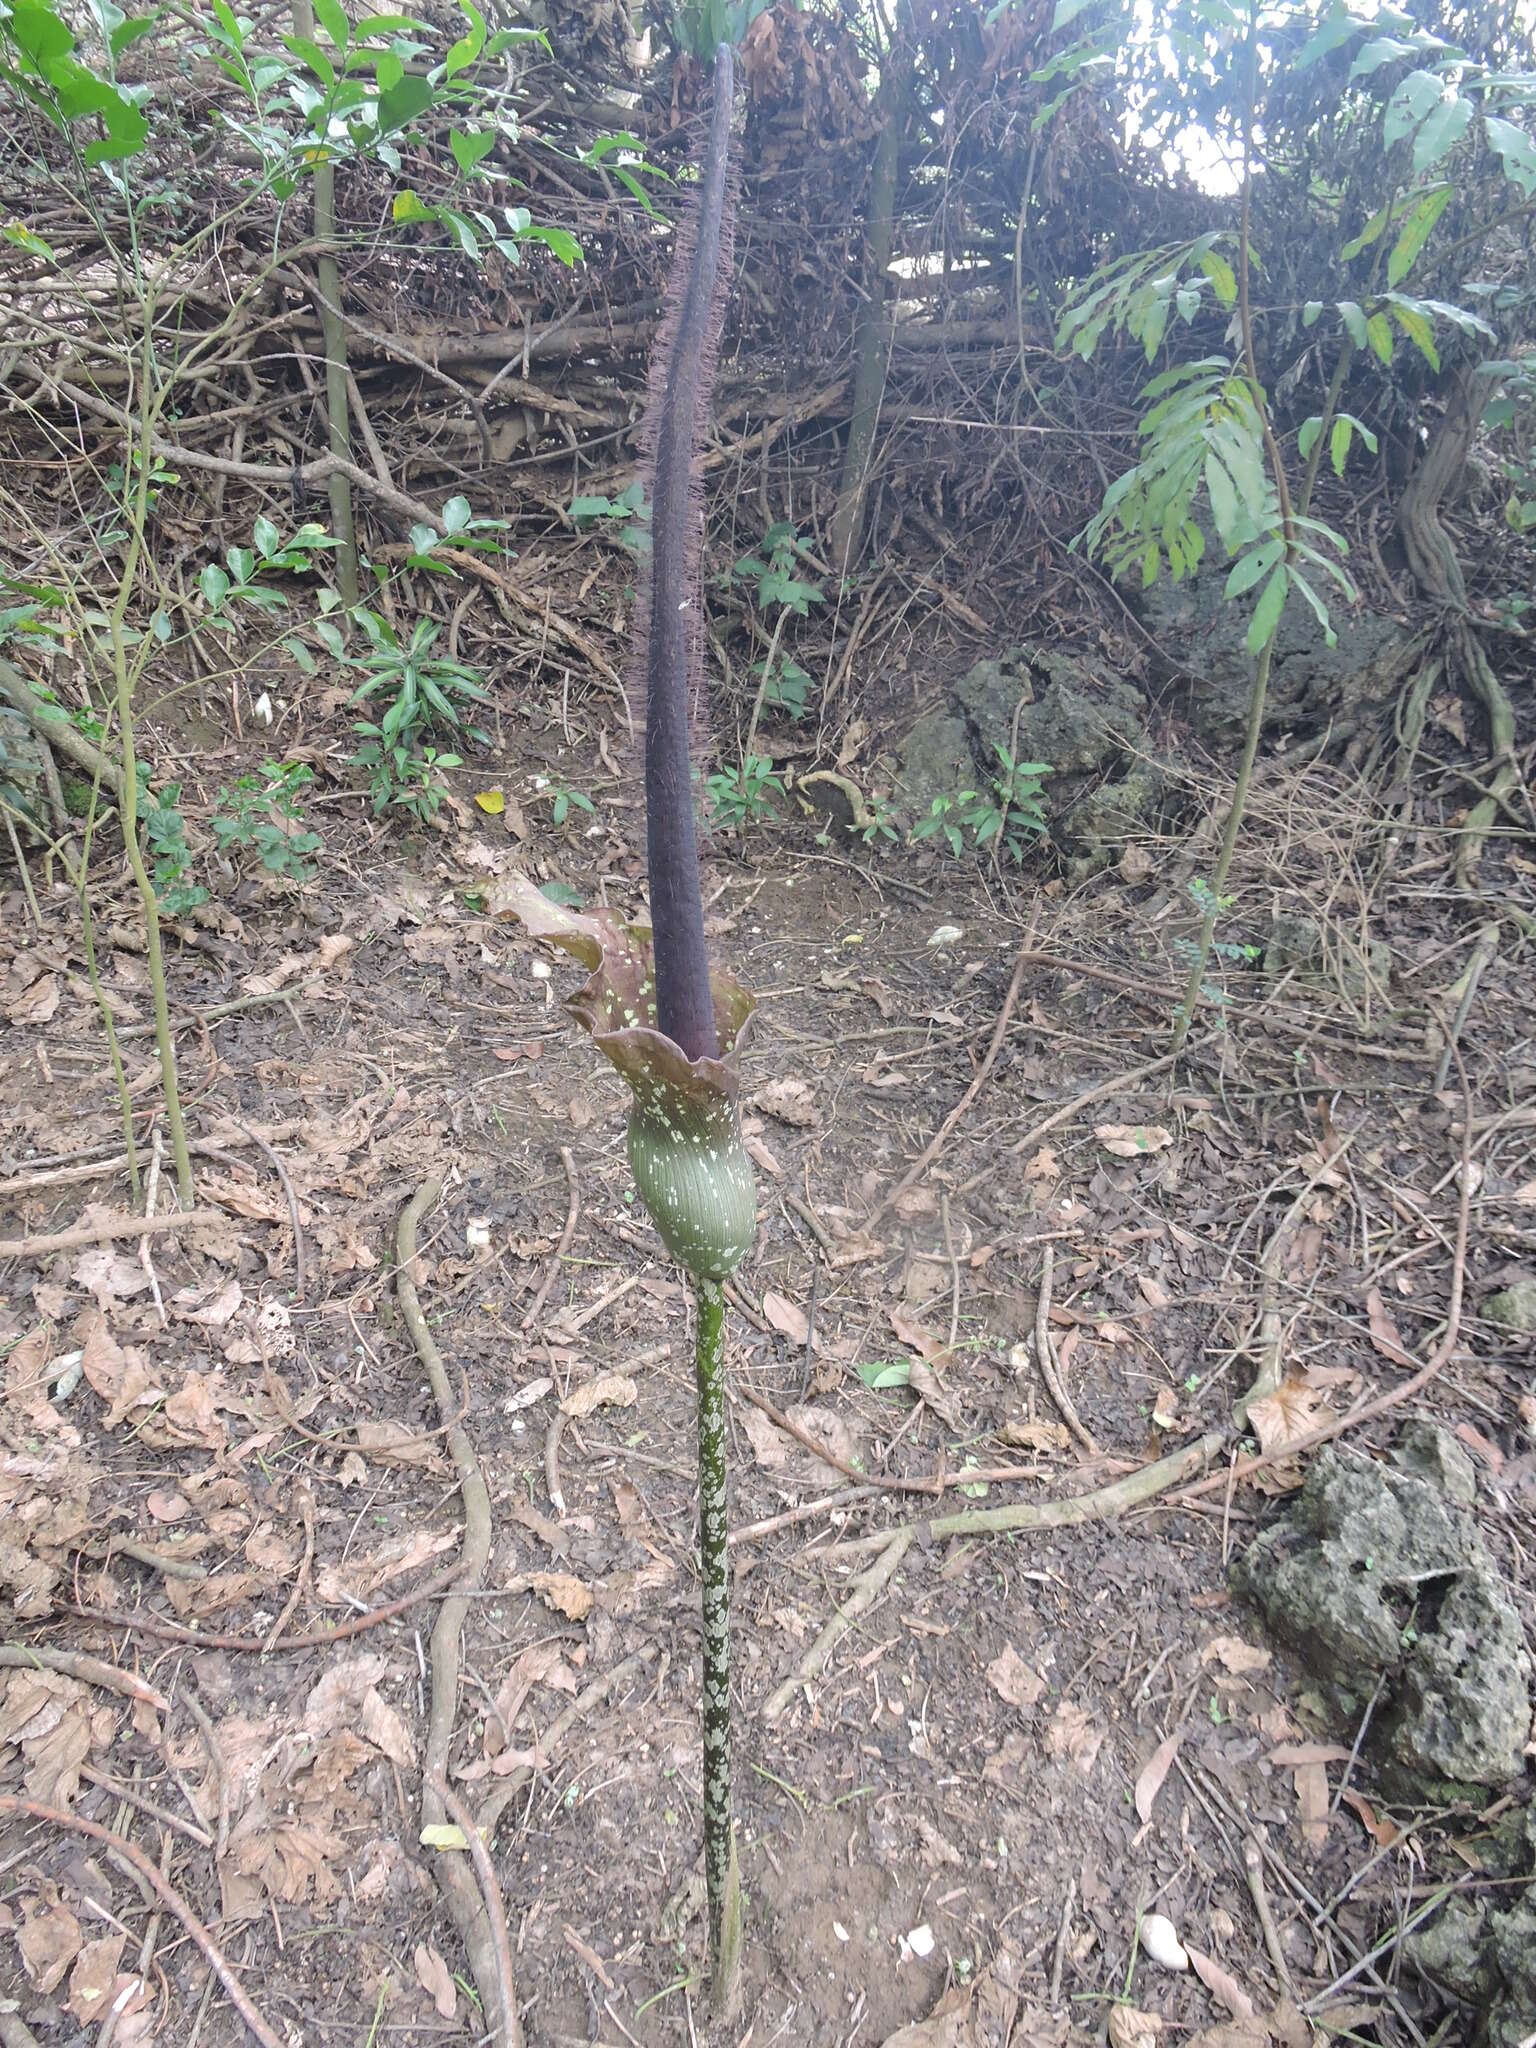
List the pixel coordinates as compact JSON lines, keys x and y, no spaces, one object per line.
{"x":484,"y":1945}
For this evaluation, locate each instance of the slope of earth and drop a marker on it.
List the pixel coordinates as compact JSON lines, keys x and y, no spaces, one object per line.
{"x":227,"y":1482}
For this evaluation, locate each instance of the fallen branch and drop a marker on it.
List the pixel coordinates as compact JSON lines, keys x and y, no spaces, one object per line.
{"x":89,"y":1670}
{"x":466,"y":1907}
{"x":164,"y":1891}
{"x":103,"y":1232}
{"x":1144,"y":1484}
{"x":495,"y":1908}
{"x":1045,"y":1357}
{"x":894,"y":1546}
{"x":317,"y":1639}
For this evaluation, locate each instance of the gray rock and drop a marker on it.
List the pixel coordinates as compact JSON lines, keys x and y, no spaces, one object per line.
{"x":1041,"y":704}
{"x":1512,"y":2018}
{"x":1454,"y":1948}
{"x":1462,"y":1710}
{"x":1377,"y":1577}
{"x":1515,"y":1307}
{"x":1433,"y":1454}
{"x":1311,"y":685}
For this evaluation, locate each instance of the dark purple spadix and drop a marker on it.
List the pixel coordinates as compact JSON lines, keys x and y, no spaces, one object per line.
{"x":680,"y":409}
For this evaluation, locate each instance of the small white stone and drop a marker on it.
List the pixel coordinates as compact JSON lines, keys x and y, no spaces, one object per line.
{"x":1160,"y":1939}
{"x":919,"y":1942}
{"x":945,"y":935}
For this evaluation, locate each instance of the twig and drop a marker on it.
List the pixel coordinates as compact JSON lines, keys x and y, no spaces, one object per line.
{"x":1144,"y":1484}
{"x":317,"y":1639}
{"x":22,"y":869}
{"x":74,"y":1823}
{"x":466,"y":1907}
{"x":552,"y":1462}
{"x":151,"y":1190}
{"x":1063,"y":1933}
{"x":134,"y":1798}
{"x":866,"y":1589}
{"x":954,"y":1275}
{"x":301,"y":1577}
{"x":807,"y":1511}
{"x":194,"y":1020}
{"x":531,"y":1314}
{"x":830,"y":1457}
{"x":89,"y":1670}
{"x":1253,"y":1870}
{"x":1046,"y":1358}
{"x":935,"y":1145}
{"x":495,"y":1910}
{"x":105,"y":1231}
{"x":293,"y":1204}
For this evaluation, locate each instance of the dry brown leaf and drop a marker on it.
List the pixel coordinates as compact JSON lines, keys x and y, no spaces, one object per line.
{"x":784,"y":1316}
{"x":1221,"y":1984}
{"x":1311,"y":1782}
{"x":540,"y":1664}
{"x":1232,"y":2034}
{"x":927,"y":1386}
{"x":388,"y":1442}
{"x":1043,"y":1166}
{"x":49,"y":1939}
{"x":1292,"y":1411}
{"x":1382,"y":1831}
{"x":37,"y":1004}
{"x":565,"y":1593}
{"x":1028,"y":1435}
{"x":1073,"y":1737}
{"x":1152,"y":1291}
{"x":608,"y":1390}
{"x":436,"y":1979}
{"x":359,"y":1577}
{"x":1156,"y":1769}
{"x":92,"y":1980}
{"x":790,"y":1100}
{"x":1131,"y":2028}
{"x":1285,"y":1756}
{"x":912,"y":1333}
{"x":1236,"y":1656}
{"x":1384,"y":1332}
{"x":1013,"y":1680}
{"x":1131,"y":1141}
{"x":165,"y":1506}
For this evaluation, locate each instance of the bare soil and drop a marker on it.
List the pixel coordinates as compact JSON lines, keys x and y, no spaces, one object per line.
{"x":942,"y":1827}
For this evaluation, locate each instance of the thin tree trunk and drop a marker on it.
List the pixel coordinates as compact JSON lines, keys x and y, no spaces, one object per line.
{"x":333,"y":329}
{"x":872,"y":333}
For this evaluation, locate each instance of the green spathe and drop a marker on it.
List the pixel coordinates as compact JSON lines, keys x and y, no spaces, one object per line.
{"x":685,"y":1148}
{"x":695,"y":1179}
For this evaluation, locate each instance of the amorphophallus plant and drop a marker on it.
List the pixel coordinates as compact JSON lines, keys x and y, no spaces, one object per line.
{"x":654,"y":1008}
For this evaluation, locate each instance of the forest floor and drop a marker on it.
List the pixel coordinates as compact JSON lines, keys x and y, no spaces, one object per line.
{"x":218,"y":1441}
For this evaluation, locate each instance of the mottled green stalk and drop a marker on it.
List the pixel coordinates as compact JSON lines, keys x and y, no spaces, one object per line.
{"x":721,"y":1880}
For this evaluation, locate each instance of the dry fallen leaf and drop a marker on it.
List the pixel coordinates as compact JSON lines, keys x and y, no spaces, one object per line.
{"x":1013,"y":1680}
{"x":1384,"y":1332}
{"x":1130,"y":1141}
{"x":608,"y":1390}
{"x":1156,"y":1769}
{"x":1382,"y":1831}
{"x":1223,"y":1985}
{"x":1312,"y":1799}
{"x":432,"y":1973}
{"x":93,"y":1978}
{"x":1236,"y":1656}
{"x":49,"y":1939}
{"x":1072,"y":1736}
{"x":784,"y":1316}
{"x":567,"y":1595}
{"x":1043,"y":1166}
{"x":1292,"y":1411}
{"x":790,"y":1100}
{"x":927,"y":1386}
{"x":37,"y":1004}
{"x":1152,"y":1291}
{"x":1130,"y":2028}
